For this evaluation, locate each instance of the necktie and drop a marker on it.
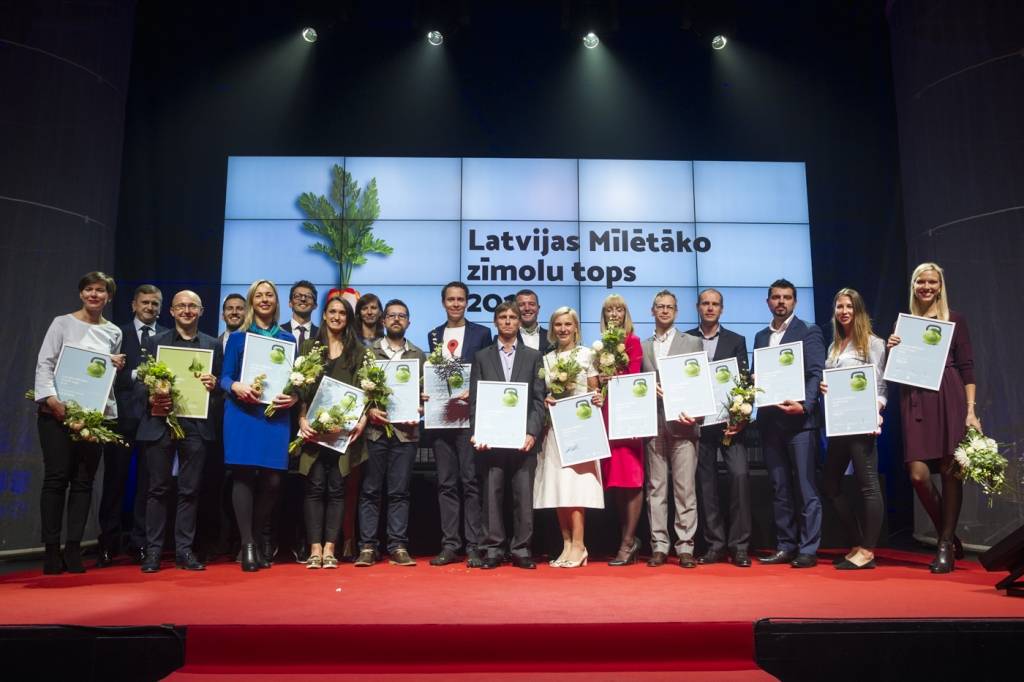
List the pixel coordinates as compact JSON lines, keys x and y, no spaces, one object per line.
{"x":302,"y":337}
{"x":146,"y":331}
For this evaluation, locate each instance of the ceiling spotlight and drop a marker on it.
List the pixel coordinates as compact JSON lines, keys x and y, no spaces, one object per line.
{"x":435,"y":38}
{"x":718,"y":42}
{"x":590,"y":41}
{"x":309,"y":34}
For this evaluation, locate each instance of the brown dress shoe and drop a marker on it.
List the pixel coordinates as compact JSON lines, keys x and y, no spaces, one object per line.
{"x":686,"y":560}
{"x":657,"y":559}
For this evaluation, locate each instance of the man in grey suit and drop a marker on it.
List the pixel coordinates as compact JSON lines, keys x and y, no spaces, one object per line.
{"x":672,"y":454}
{"x":508,"y":359}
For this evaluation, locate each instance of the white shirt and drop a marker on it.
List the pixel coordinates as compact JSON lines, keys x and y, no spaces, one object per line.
{"x":531,"y":339}
{"x":139,"y":324}
{"x":385,"y":345}
{"x":68,"y":329}
{"x":296,"y":326}
{"x":457,"y":333}
{"x":850,"y":357}
{"x":777,"y":334}
{"x":663,"y":343}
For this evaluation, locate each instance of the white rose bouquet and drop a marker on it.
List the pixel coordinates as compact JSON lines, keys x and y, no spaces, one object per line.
{"x":740,"y":402}
{"x":305,"y":371}
{"x":86,"y":425}
{"x":979,"y":460}
{"x":610,"y":351}
{"x":561,"y":376}
{"x":373,"y":380}
{"x":333,"y":420}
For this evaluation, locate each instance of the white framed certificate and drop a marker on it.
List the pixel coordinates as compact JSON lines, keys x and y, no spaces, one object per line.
{"x":779,"y":372}
{"x":579,"y":430}
{"x":403,"y":378}
{"x":686,"y":385}
{"x":920,"y":358}
{"x":442,"y":409}
{"x":724,"y":374}
{"x":271,"y":357}
{"x":188,"y":364}
{"x":851,"y":402}
{"x":500,"y":414}
{"x":332,"y":392}
{"x":84,"y":376}
{"x":633,"y":406}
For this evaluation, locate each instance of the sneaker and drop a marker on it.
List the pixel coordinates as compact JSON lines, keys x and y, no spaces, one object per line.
{"x":400,"y":557}
{"x":367,"y":557}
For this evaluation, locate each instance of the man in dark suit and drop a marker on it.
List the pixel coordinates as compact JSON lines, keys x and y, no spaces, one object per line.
{"x":159,"y":448}
{"x":789,"y":434}
{"x":509,"y":360}
{"x":302,"y":301}
{"x":232,"y":311}
{"x":453,"y":454}
{"x":722,"y":344}
{"x":146,"y":303}
{"x":531,"y":332}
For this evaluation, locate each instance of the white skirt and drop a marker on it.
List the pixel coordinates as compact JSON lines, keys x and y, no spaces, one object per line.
{"x":558,"y":486}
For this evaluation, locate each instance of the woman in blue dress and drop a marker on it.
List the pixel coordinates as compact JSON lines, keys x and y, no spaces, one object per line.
{"x":255,"y":446}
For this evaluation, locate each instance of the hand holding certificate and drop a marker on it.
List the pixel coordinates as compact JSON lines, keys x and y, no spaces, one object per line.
{"x":579,"y":430}
{"x":446,"y":408}
{"x":632,"y":406}
{"x":779,"y":374}
{"x":188,"y":365}
{"x":84,"y":376}
{"x":333,"y":414}
{"x":920,"y":357}
{"x":686,"y":385}
{"x":851,"y":402}
{"x":269,"y":361}
{"x":403,"y":380}
{"x":501,"y":410}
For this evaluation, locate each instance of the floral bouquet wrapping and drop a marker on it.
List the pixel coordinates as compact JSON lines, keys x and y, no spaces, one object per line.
{"x":159,"y":381}
{"x":334,"y":420}
{"x":561,"y":376}
{"x":86,"y":425}
{"x":979,"y":461}
{"x":741,"y":402}
{"x":305,"y":371}
{"x":448,"y":369}
{"x":373,"y":380}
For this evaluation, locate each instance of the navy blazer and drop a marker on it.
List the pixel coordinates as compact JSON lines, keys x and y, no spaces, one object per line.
{"x":730,"y":345}
{"x":525,"y":368}
{"x":152,"y":428}
{"x":545,"y":345}
{"x":814,"y":364}
{"x":128,"y":410}
{"x":477,"y":337}
{"x":313,"y":331}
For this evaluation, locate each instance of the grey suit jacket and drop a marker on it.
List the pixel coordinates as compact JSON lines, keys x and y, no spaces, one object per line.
{"x":681,"y":343}
{"x":525,"y":368}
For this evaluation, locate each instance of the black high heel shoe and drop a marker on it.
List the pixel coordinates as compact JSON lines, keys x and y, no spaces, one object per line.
{"x":53,"y":563}
{"x":944,"y":562}
{"x":250,"y":559}
{"x":630,"y":557}
{"x":265,"y":557}
{"x":958,"y":548}
{"x":73,"y":558}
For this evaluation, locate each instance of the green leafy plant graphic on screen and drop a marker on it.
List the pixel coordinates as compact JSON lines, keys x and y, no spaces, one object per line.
{"x":344,"y":222}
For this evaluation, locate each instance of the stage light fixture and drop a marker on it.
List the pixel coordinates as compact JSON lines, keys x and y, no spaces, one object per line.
{"x":590,"y":41}
{"x":435,"y":38}
{"x":718,"y":43}
{"x":309,"y":34}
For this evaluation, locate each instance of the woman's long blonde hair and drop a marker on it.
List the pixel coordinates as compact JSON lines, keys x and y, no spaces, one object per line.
{"x":564,"y":310}
{"x":627,"y":320}
{"x":941,"y":300}
{"x":861,"y":337}
{"x":250,"y":311}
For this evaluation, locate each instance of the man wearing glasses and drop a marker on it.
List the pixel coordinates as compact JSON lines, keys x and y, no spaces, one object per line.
{"x":302,"y":301}
{"x":389,"y":458}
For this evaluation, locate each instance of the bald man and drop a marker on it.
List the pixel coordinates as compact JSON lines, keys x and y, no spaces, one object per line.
{"x":159,"y":448}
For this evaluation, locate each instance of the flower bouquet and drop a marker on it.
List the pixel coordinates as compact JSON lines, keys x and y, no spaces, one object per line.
{"x":979,"y":460}
{"x":447,"y":369}
{"x":740,"y":403}
{"x":610,"y":351}
{"x":373,"y":380}
{"x":333,"y":420}
{"x":561,"y":376}
{"x":159,"y":381}
{"x":87,"y":425}
{"x":305,"y":371}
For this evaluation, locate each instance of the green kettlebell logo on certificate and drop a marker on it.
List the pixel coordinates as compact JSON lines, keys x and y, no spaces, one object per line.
{"x":932,"y":334}
{"x":511,"y":397}
{"x":692,"y":367}
{"x":583,"y":409}
{"x":196,"y":367}
{"x":722,"y":374}
{"x":786,"y":356}
{"x":640,"y":387}
{"x":96,"y":368}
{"x":403,"y":374}
{"x":277,"y":354}
{"x":858,"y":381}
{"x":348,"y":401}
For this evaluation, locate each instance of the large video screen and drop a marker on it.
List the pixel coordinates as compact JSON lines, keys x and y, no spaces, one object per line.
{"x":573,"y":230}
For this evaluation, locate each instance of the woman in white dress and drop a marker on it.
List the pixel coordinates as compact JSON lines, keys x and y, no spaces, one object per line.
{"x":568,"y":489}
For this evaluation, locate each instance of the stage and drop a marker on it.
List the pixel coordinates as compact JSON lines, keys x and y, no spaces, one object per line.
{"x":598,"y":620}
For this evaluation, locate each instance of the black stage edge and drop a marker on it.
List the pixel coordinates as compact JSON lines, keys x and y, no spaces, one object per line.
{"x":103,"y":654}
{"x":890,"y":649}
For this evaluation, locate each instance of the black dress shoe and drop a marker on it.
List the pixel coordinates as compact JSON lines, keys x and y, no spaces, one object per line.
{"x":53,"y":562}
{"x":189,"y":562}
{"x":712,"y":556}
{"x":491,"y":562}
{"x":780,"y":557}
{"x":445,"y":557}
{"x":265,"y":555}
{"x":630,"y":556}
{"x":73,"y":558}
{"x":804,"y":561}
{"x":151,"y":564}
{"x":943,"y":563}
{"x":523,"y":562}
{"x":741,"y":559}
{"x":250,"y":559}
{"x":105,"y":558}
{"x":473,"y":559}
{"x":138,"y":555}
{"x":657,"y":559}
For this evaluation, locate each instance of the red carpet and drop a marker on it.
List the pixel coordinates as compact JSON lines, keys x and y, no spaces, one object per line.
{"x":388,"y":619}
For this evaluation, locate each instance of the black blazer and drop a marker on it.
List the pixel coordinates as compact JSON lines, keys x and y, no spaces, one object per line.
{"x":477,"y":337}
{"x":128,"y":410}
{"x":730,"y":345}
{"x":152,"y":428}
{"x":313,"y":331}
{"x":545,"y":345}
{"x":814,"y":364}
{"x":525,"y":368}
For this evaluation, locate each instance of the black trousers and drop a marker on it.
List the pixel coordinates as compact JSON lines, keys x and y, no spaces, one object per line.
{"x":514,"y":469}
{"x":714,"y":522}
{"x":68,"y":471}
{"x":457,"y":465}
{"x":389,"y":463}
{"x":324,"y":503}
{"x":862,"y":452}
{"x":159,"y":457}
{"x":117,"y":462}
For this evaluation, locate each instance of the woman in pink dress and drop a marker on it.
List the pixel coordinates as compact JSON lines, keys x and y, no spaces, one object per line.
{"x":934,"y":422}
{"x":624,"y":470}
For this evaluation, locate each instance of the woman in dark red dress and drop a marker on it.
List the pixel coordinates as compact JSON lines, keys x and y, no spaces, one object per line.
{"x":934,"y":422}
{"x":624,"y":470}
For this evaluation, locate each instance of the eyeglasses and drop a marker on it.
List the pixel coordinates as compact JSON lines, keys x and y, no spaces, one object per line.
{"x":303,"y":298}
{"x":664,"y":306}
{"x":397,"y":316}
{"x":186,"y":306}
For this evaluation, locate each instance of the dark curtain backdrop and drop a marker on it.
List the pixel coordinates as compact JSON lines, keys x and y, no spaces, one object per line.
{"x":959,"y":83}
{"x":63,"y":79}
